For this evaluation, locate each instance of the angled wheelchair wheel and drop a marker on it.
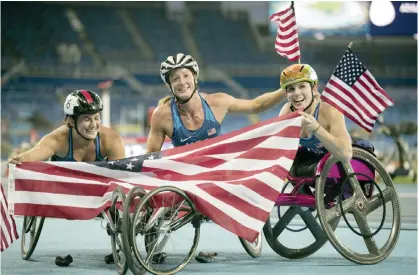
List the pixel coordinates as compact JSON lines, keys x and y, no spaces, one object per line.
{"x":360,"y":205}
{"x":169,"y":225}
{"x":272,"y":233}
{"x":119,"y":257}
{"x":134,"y":194}
{"x":253,"y":249}
{"x":32,"y":228}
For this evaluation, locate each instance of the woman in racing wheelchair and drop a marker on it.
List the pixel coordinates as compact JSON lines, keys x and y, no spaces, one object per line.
{"x":325,"y":143}
{"x":323,"y":126}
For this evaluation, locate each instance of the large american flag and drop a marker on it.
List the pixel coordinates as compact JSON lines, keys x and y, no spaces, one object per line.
{"x":354,"y":91}
{"x":7,"y":224}
{"x":287,"y":40}
{"x":232,"y":179}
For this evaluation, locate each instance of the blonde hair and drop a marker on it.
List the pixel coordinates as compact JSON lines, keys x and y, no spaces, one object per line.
{"x":164,"y":100}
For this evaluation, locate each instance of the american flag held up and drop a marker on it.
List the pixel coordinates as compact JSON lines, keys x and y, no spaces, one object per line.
{"x":287,"y":39}
{"x":354,"y":91}
{"x":233,"y":179}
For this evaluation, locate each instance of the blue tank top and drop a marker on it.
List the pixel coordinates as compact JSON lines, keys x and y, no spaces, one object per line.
{"x":182,"y":136}
{"x":70,"y":157}
{"x":312,"y":143}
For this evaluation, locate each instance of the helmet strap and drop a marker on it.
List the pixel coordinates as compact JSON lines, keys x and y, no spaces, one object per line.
{"x":76,"y":129}
{"x":181,"y":101}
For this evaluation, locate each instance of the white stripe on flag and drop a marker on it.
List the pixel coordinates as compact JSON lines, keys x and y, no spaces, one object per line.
{"x":346,"y":109}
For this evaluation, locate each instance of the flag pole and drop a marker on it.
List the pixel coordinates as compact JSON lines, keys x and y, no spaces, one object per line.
{"x":292,"y":5}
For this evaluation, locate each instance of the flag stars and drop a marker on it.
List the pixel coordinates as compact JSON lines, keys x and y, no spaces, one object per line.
{"x":129,"y":166}
{"x":151,"y":157}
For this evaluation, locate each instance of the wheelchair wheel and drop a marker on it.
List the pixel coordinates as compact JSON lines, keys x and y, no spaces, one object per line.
{"x":253,"y":249}
{"x":272,"y":234}
{"x":134,"y":266}
{"x":32,"y":226}
{"x":116,"y":231}
{"x":360,"y":206}
{"x":165,"y":204}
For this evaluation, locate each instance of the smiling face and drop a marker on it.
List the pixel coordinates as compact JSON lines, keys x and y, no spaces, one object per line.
{"x":89,"y":125}
{"x":300,"y":94}
{"x":182,"y":82}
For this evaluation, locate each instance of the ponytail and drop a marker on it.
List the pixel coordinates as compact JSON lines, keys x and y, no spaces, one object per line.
{"x":164,"y":100}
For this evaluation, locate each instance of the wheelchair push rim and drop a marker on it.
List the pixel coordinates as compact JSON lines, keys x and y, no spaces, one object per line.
{"x":133,"y":264}
{"x":157,"y":204}
{"x":360,"y":206}
{"x":116,"y":236}
{"x":253,"y":249}
{"x":34,"y":229}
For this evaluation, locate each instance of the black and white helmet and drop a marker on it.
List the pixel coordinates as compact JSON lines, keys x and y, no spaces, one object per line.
{"x":178,"y":61}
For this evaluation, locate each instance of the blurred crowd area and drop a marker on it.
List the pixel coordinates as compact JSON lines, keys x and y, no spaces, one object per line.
{"x":49,"y":49}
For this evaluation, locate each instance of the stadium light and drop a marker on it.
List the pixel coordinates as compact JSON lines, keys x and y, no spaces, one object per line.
{"x":382,"y":13}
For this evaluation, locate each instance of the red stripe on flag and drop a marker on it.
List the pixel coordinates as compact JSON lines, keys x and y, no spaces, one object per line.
{"x":58,"y":211}
{"x":358,"y":122}
{"x":233,"y":200}
{"x":287,"y":22}
{"x":232,"y":225}
{"x":59,"y":187}
{"x":9,"y":235}
{"x":349,"y":105}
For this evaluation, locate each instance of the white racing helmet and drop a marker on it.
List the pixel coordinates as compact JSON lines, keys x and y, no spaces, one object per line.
{"x":178,"y":61}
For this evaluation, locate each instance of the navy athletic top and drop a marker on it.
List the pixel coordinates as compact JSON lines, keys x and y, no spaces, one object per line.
{"x":70,"y":157}
{"x":312,"y":143}
{"x":182,"y":136}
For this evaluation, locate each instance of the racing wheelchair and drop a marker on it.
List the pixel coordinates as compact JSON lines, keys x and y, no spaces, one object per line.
{"x":333,"y":190}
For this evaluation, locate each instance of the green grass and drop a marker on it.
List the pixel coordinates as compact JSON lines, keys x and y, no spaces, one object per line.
{"x":404,"y":180}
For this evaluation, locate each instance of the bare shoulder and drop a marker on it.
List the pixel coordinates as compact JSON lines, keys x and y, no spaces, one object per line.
{"x":108,"y":134}
{"x":163,"y":111}
{"x":285,"y":109}
{"x":217,"y":99}
{"x":59,"y":135}
{"x":329,"y":110}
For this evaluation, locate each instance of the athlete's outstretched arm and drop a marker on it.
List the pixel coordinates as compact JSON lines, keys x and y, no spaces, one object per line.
{"x":256,"y":105}
{"x":45,"y":149}
{"x":157,"y":133}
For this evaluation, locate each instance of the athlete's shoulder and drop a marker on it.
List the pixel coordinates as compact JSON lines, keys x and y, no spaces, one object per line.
{"x":162,"y":111}
{"x":109,"y":137}
{"x":108,"y":133}
{"x":216,"y":99}
{"x":328,"y":109}
{"x":59,"y":134}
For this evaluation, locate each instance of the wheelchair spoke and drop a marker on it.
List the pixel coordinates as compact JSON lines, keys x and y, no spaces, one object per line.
{"x":285,"y":220}
{"x":332,"y":214}
{"x":365,"y":230}
{"x":154,"y":217}
{"x":376,"y":201}
{"x":355,"y":184}
{"x":312,"y":224}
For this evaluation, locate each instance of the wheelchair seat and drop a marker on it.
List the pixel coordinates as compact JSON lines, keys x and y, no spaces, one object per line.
{"x":306,"y":162}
